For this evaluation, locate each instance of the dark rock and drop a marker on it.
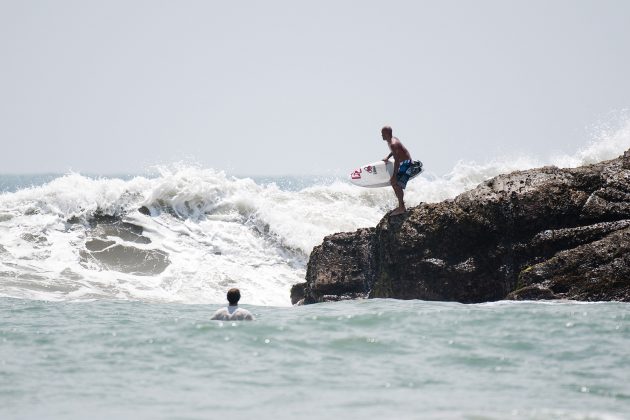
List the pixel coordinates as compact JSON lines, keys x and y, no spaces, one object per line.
{"x":342,"y":266}
{"x":144,"y":210}
{"x":123,"y":258}
{"x":111,"y":244}
{"x":543,"y":233}
{"x":599,"y":270}
{"x":532,"y":293}
{"x":297,"y":293}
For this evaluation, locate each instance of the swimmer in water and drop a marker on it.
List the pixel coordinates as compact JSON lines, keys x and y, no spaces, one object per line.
{"x":232,"y":312}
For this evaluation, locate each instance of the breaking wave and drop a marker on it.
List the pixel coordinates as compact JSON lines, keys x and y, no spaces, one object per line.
{"x":189,"y":233}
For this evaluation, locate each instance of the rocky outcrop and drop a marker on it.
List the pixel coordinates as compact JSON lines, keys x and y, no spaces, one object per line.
{"x":546,"y":233}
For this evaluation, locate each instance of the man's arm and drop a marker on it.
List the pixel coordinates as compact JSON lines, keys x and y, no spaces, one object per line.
{"x":387,"y":157}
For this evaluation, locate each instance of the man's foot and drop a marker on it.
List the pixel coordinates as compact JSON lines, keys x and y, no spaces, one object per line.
{"x":397,"y":211}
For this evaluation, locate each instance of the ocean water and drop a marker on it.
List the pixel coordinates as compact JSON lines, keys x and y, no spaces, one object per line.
{"x":363,"y":359}
{"x":104,"y":309}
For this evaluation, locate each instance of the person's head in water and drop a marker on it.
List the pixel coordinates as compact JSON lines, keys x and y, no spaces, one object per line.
{"x":386,"y":132}
{"x":233,"y":296}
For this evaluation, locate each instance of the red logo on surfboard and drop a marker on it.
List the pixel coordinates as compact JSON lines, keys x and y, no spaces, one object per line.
{"x":356,"y":174}
{"x":370,"y":169}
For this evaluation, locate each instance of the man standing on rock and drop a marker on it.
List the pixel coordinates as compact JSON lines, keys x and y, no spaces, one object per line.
{"x":404,"y":167}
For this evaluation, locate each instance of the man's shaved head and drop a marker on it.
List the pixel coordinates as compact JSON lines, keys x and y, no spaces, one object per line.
{"x":386,"y":133}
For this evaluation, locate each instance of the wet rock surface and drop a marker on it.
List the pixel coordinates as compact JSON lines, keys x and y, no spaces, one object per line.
{"x":342,"y":267}
{"x":120,"y":246}
{"x":545,"y":233}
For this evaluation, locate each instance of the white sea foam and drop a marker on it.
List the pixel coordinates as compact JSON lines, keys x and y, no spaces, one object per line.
{"x":610,"y":138}
{"x":217,"y":231}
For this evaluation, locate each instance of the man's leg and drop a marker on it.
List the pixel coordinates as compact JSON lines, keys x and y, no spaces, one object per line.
{"x":400,"y":193}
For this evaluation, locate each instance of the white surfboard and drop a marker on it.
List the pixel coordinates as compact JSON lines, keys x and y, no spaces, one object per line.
{"x":373,"y":175}
{"x":377,"y":174}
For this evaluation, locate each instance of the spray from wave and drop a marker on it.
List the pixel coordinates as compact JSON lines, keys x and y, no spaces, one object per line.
{"x":188,"y":234}
{"x":611,"y":137}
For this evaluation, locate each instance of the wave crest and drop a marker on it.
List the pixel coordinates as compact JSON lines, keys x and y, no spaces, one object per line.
{"x":201,"y":231}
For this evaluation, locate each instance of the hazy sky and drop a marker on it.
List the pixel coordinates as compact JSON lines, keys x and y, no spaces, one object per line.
{"x":288,"y":87}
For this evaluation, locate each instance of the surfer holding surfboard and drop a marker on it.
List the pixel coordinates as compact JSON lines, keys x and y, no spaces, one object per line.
{"x":404,"y":167}
{"x":384,"y":173}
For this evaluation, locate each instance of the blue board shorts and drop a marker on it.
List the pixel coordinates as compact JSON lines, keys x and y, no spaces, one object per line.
{"x":407,"y":170}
